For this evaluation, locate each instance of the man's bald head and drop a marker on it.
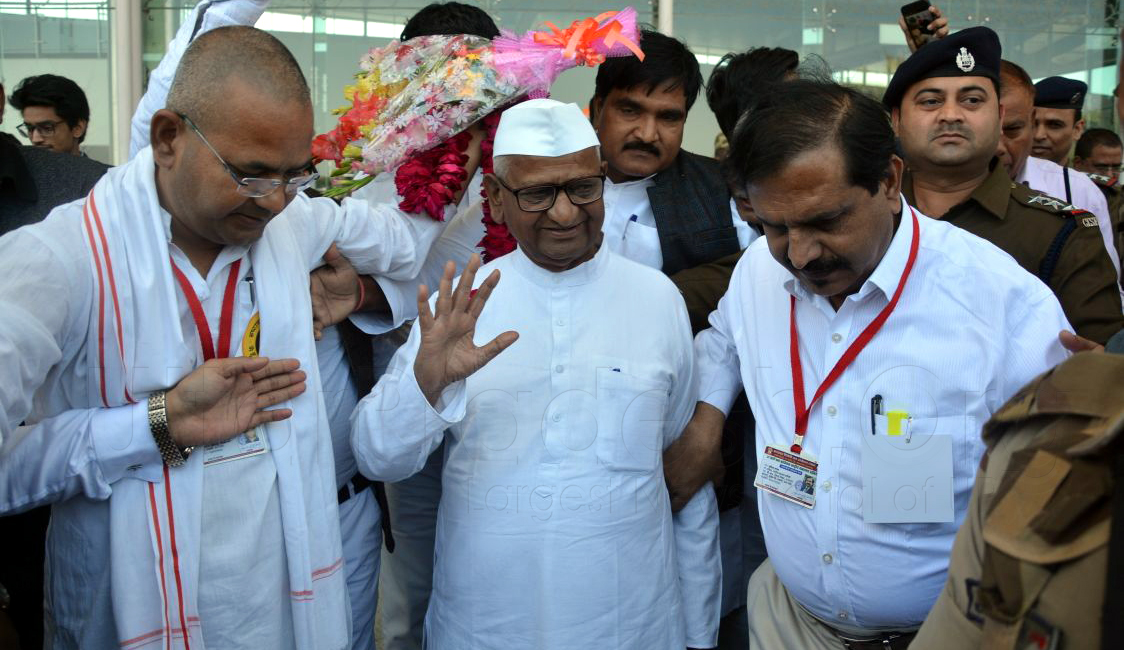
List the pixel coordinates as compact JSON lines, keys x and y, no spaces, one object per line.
{"x":1012,"y":77}
{"x":249,"y":115}
{"x":246,"y":54}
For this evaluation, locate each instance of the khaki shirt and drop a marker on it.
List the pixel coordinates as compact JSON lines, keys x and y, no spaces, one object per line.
{"x":1114,"y":194}
{"x":1024,"y":223}
{"x":1029,"y":564}
{"x":703,"y":286}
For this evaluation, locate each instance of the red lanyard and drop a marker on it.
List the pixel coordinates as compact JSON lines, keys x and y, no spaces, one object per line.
{"x":853,"y":351}
{"x":225,"y":319}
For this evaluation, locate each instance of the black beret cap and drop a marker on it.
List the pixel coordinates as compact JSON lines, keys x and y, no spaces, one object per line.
{"x":972,"y":52}
{"x":1059,"y":92}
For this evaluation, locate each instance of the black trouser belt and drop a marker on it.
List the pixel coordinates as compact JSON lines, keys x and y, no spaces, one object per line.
{"x":354,"y":486}
{"x":888,"y":641}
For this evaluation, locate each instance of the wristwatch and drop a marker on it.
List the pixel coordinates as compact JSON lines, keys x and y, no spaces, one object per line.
{"x":173,"y":454}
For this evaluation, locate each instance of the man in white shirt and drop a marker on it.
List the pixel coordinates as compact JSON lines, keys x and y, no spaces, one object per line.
{"x":665,"y":207}
{"x":554,"y":529}
{"x":1016,"y":94}
{"x":168,"y":266}
{"x":872,"y":342}
{"x":361,"y":518}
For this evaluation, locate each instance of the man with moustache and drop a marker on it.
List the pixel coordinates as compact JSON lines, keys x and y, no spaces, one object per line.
{"x":945,"y":109}
{"x":854,"y":307}
{"x":1016,"y":94}
{"x":1057,"y":117}
{"x":666,"y":208}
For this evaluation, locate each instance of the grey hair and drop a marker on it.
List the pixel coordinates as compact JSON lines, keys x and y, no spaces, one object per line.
{"x":250,"y":54}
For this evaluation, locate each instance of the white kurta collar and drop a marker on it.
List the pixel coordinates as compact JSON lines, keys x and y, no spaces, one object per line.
{"x":886,"y":275}
{"x":579,"y":275}
{"x":646,"y":181}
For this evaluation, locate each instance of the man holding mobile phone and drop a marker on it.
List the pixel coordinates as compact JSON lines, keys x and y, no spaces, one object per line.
{"x":922,"y":22}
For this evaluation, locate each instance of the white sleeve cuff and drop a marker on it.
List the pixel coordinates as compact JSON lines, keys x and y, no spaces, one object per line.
{"x":123,"y":444}
{"x":402,"y":308}
{"x":718,"y":370}
{"x":451,"y":405}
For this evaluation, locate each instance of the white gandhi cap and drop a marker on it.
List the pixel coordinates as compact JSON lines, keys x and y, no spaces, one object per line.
{"x":543,"y":127}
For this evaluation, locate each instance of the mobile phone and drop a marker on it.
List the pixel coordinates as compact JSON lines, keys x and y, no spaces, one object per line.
{"x":917,"y":17}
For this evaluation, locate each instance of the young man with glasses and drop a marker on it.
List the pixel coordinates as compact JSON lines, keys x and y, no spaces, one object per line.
{"x":139,"y":316}
{"x":55,"y":113}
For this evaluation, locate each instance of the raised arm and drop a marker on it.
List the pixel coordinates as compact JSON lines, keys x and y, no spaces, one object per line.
{"x":206,"y":16}
{"x":422,"y":393}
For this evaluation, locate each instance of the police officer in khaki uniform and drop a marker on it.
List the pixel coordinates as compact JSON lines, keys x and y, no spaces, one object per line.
{"x":1098,"y":153}
{"x":1114,"y":194}
{"x":945,"y":107}
{"x":1031,"y":561}
{"x":1057,"y":117}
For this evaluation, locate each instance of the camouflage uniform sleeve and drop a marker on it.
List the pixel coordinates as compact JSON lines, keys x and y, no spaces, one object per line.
{"x":1085,"y":282}
{"x":954,"y":621}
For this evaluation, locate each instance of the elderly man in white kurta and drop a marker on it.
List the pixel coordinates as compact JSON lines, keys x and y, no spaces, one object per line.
{"x":555,"y":528}
{"x":187,"y":514}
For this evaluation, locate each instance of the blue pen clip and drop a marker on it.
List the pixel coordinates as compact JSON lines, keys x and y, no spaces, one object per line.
{"x":632,"y":219}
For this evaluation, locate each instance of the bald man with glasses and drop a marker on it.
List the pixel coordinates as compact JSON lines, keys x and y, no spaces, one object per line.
{"x":159,"y":347}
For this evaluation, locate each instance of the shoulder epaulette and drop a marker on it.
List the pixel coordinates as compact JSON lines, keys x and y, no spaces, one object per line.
{"x":1111,"y":182}
{"x":1044,"y":202}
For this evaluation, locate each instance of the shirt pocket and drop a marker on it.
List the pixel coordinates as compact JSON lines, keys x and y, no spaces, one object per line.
{"x":631,"y":418}
{"x":641,"y":243}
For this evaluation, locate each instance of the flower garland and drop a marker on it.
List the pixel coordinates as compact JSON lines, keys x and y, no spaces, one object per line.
{"x":429,"y":181}
{"x":497,"y":240}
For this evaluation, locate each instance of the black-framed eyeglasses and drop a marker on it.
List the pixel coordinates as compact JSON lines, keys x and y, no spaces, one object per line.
{"x":1108,"y":169}
{"x":256,"y":187}
{"x":540,"y":198}
{"x":46,"y":129}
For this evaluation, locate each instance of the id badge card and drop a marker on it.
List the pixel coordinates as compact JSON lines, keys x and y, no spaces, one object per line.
{"x":907,"y":479}
{"x":788,"y":476}
{"x":244,"y":445}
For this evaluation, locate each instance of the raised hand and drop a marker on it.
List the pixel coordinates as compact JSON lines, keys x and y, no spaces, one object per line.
{"x":447,"y":353}
{"x":335,"y":291}
{"x":224,"y":397}
{"x":937,"y":29}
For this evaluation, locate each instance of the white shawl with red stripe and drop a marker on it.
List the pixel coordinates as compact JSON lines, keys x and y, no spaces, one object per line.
{"x":153,"y":529}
